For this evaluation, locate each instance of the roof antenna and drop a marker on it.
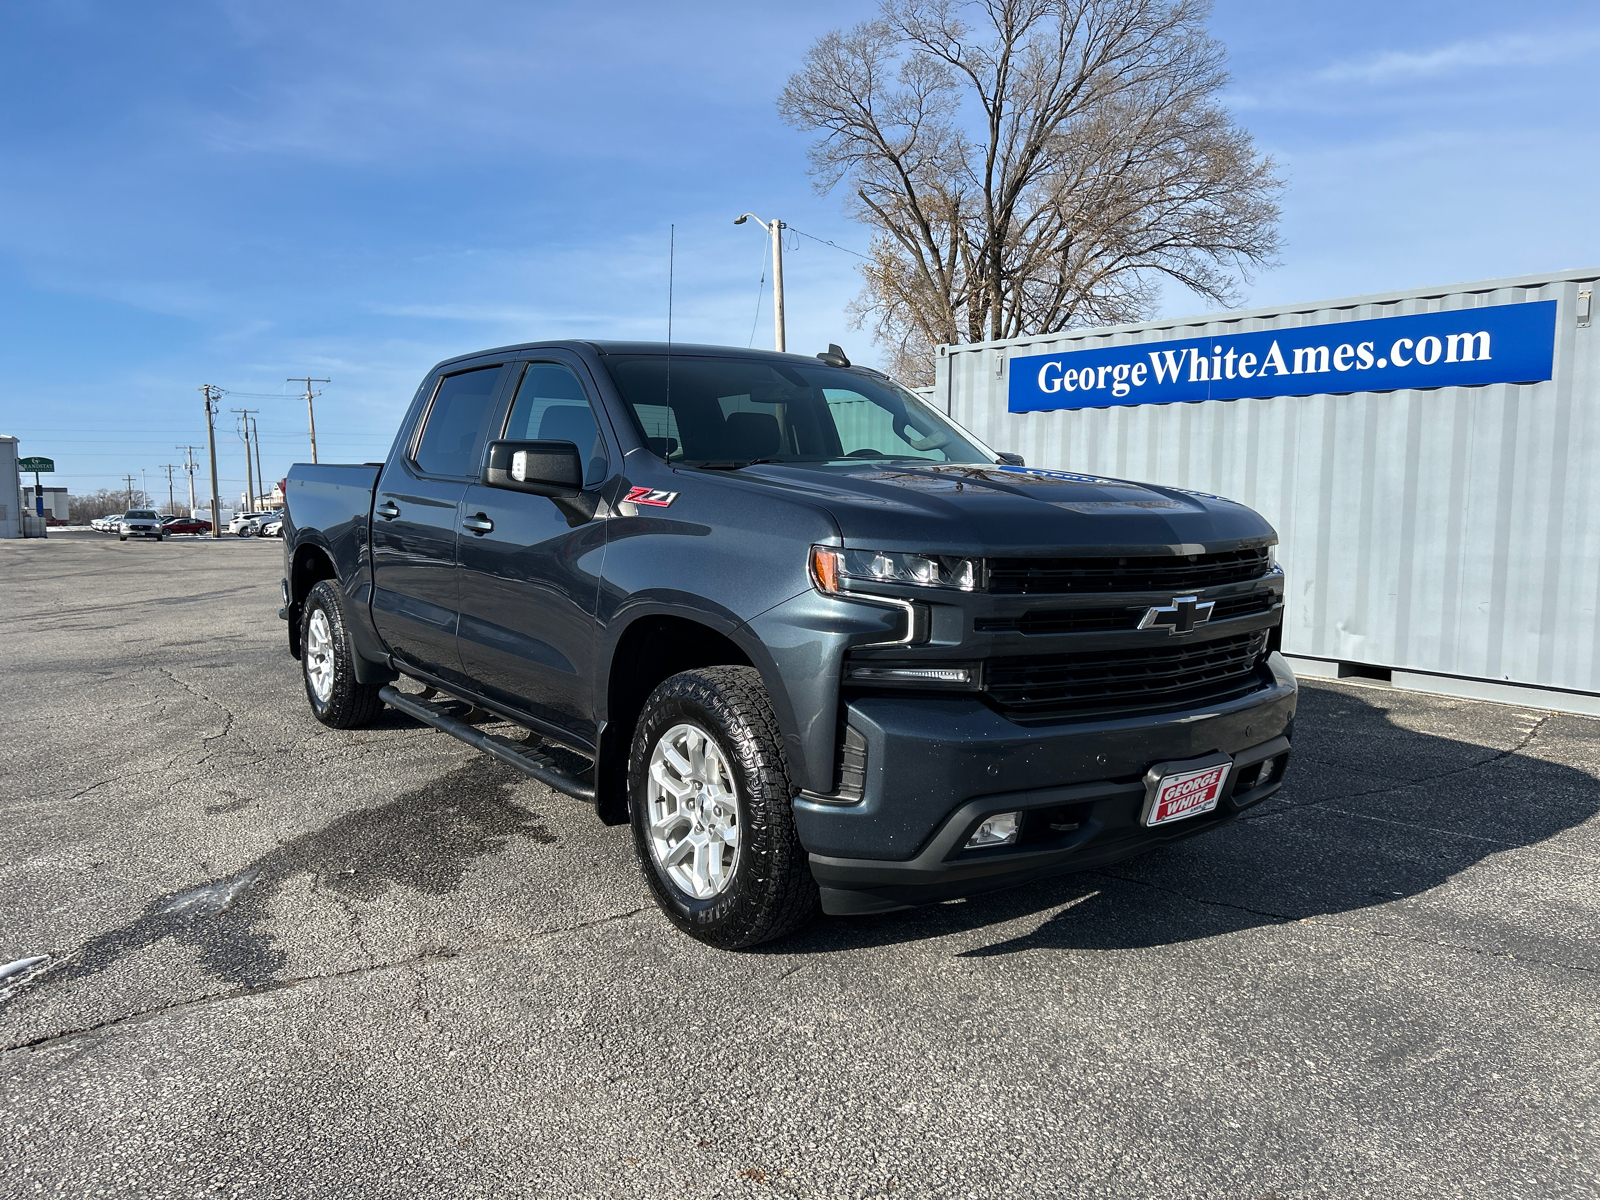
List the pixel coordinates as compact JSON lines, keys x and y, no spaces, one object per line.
{"x":672,"y":248}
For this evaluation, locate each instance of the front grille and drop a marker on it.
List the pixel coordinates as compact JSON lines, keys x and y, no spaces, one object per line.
{"x":1170,"y":573}
{"x":1143,"y":679}
{"x":1112,"y":620}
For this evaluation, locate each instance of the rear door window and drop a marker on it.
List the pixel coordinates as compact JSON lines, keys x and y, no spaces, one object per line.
{"x":449,"y":441}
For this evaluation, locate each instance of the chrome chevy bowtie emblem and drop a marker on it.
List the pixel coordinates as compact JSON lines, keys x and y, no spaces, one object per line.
{"x":1181,"y":616}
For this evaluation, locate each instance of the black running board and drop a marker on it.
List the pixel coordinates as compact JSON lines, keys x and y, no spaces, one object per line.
{"x":507,"y":751}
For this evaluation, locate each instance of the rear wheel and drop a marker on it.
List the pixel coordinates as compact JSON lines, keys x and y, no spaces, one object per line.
{"x":327,"y":661}
{"x":709,"y":796}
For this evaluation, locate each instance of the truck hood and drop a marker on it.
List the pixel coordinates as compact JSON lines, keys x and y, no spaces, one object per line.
{"x":979,"y":510}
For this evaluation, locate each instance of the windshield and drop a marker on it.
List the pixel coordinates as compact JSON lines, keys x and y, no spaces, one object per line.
{"x":141,"y":514}
{"x":730,"y":411}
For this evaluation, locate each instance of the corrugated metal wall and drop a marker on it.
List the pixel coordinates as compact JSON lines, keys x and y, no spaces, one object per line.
{"x":1448,"y":530}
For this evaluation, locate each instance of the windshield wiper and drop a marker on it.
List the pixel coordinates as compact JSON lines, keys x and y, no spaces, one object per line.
{"x":737,"y":464}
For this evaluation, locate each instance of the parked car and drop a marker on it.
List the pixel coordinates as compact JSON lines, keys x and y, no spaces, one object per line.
{"x":140,"y":522}
{"x":249,"y":524}
{"x":105,"y":524}
{"x":819,"y":645}
{"x":185,"y":525}
{"x":271,"y":527}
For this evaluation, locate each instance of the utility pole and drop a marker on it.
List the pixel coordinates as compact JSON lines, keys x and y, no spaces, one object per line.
{"x":249,"y":475}
{"x":128,"y":479}
{"x":310,"y":411}
{"x":261,"y":480}
{"x":212,"y":393}
{"x":774,"y":230}
{"x":172,"y":504}
{"x":188,"y":463}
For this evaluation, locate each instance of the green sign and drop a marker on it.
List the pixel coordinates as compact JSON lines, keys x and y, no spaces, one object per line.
{"x":37,"y":464}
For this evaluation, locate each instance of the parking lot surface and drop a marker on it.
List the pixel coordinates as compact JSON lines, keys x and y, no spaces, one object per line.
{"x":279,"y":960}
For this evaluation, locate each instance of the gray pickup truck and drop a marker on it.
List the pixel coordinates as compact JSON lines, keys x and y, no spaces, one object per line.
{"x":817,"y":644}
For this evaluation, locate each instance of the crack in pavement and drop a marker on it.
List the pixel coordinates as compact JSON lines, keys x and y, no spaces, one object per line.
{"x":1286,"y":919}
{"x":227,"y":713}
{"x":443,"y":954}
{"x":1474,"y":837}
{"x":1420,"y":781}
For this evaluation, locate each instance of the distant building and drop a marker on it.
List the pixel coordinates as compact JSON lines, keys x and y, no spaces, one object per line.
{"x":10,"y":490}
{"x":57,"y":503}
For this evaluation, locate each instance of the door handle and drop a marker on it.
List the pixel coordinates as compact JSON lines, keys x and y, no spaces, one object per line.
{"x":479,"y":524}
{"x":388,"y":510}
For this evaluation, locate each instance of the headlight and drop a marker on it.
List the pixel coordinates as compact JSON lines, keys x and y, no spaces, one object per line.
{"x":831,"y":567}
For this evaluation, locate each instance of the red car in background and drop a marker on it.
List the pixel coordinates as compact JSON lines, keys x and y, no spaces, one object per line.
{"x":184,"y":525}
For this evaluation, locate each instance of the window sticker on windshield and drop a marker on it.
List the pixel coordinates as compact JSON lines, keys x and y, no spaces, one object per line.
{"x":653,"y":496}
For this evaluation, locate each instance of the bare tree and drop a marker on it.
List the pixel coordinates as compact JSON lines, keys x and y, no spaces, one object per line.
{"x":1031,"y":165}
{"x":103,"y":503}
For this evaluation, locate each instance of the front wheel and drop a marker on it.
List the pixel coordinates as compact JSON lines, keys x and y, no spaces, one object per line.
{"x":709,"y":797}
{"x":327,"y":661}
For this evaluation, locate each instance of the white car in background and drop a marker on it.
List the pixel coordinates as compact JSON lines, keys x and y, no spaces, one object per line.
{"x":140,"y":522}
{"x":253,"y":524}
{"x":272,"y":526}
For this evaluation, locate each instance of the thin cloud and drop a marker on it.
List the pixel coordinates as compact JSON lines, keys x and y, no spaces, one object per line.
{"x":1399,"y":66}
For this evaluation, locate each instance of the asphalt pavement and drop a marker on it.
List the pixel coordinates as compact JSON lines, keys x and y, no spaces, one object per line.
{"x":277,"y":960}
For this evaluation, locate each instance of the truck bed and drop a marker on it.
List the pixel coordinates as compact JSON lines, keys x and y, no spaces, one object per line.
{"x":331,"y":504}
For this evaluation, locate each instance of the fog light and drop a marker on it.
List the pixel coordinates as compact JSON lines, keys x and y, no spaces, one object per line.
{"x":1265,"y":774}
{"x":1000,"y":830}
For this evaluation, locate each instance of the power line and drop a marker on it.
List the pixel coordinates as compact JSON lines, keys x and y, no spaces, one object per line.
{"x":826,"y":242}
{"x":761,"y":290}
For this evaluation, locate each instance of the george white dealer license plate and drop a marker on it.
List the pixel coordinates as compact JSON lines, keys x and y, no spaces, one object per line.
{"x":1186,"y":794}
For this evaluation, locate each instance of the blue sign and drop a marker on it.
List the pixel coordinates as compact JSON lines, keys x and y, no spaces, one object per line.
{"x":1502,"y":343}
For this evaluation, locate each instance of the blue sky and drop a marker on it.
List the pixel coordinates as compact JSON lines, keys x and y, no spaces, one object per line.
{"x":224,"y":192}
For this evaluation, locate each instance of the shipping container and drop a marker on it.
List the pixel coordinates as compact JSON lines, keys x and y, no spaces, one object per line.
{"x":1439,"y":514}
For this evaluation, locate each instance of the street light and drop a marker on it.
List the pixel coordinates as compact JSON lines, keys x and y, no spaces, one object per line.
{"x":774,"y":230}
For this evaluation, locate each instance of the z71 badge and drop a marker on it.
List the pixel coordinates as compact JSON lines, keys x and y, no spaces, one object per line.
{"x":652,"y":496}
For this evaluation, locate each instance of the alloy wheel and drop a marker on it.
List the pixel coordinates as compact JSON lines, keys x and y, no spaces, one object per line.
{"x":319,"y":655}
{"x":693,"y":812}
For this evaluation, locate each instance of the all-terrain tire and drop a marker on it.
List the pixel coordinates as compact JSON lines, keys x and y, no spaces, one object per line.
{"x":771,"y":892}
{"x":327,"y":663}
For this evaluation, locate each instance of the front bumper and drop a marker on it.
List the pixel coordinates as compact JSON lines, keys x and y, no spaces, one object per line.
{"x":936,"y":768}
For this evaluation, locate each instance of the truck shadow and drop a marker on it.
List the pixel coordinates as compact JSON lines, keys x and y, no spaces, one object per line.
{"x":1372,"y":812}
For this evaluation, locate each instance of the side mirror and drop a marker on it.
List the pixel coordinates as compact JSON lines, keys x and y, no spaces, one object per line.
{"x":538,"y":468}
{"x":1012,"y":460}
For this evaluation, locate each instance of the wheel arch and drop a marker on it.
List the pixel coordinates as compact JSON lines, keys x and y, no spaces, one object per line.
{"x":655,"y":642}
{"x":310,"y":563}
